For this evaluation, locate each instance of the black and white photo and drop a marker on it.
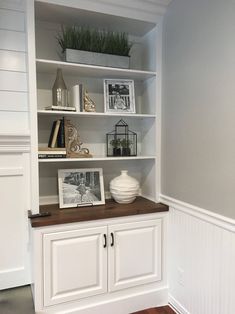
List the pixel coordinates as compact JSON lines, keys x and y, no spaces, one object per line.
{"x":119,"y":96}
{"x":80,"y":187}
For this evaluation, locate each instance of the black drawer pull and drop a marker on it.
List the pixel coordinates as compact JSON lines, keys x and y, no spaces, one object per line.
{"x":112,"y":239}
{"x":105,"y":240}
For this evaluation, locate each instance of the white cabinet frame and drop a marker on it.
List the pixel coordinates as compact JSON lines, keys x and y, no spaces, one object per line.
{"x":57,"y":247}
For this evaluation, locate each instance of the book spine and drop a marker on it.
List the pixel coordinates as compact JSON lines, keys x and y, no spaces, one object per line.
{"x":61,"y":137}
{"x":55,"y":135}
{"x":81,"y":94}
{"x":51,"y":134}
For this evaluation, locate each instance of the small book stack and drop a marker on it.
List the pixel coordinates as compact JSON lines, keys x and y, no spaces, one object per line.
{"x":56,"y":144}
{"x":51,"y":152}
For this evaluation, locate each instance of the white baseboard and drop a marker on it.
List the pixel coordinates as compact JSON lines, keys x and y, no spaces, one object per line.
{"x":119,"y":305}
{"x":50,"y":199}
{"x":176,"y":306}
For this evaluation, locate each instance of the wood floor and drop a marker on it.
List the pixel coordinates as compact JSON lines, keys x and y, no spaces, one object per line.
{"x":157,"y":310}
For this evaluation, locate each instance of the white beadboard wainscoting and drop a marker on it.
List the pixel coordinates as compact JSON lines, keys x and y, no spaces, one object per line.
{"x":201,"y":260}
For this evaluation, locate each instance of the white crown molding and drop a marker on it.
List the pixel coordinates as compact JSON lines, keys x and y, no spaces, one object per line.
{"x":14,"y":143}
{"x":150,"y":6}
{"x":145,"y":10}
{"x":203,"y":214}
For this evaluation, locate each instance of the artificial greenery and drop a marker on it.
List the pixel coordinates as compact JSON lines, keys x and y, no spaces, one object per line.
{"x":115,"y":143}
{"x":125,"y":143}
{"x":88,"y":39}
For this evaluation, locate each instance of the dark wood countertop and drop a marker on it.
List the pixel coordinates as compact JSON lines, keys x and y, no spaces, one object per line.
{"x":110,"y":210}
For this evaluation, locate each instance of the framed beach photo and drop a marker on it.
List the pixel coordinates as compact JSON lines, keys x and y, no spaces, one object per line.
{"x":119,"y":96}
{"x":80,"y":187}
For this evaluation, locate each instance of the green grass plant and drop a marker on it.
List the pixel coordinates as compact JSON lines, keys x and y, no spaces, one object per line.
{"x":88,"y":39}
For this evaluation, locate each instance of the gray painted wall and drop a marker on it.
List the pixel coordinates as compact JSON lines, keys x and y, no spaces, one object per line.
{"x":198,"y":125}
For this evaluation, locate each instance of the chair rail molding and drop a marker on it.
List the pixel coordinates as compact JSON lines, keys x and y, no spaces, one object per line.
{"x":14,"y":143}
{"x":203,"y":214}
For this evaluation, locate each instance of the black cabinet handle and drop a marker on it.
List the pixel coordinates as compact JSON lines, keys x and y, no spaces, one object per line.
{"x":112,"y":239}
{"x":105,"y":240}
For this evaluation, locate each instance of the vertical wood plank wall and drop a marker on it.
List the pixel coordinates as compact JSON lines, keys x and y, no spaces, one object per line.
{"x":201,"y":265}
{"x":13,"y":69}
{"x":14,"y":146}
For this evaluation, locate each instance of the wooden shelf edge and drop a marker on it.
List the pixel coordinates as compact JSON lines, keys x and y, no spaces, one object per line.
{"x":111,"y":209}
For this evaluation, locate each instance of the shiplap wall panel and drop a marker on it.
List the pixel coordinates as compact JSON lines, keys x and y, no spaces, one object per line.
{"x":12,"y":61}
{"x":13,"y":68}
{"x":11,"y":40}
{"x":12,"y":20}
{"x":201,"y":265}
{"x":11,"y":119}
{"x":18,"y":5}
{"x":13,"y":101}
{"x":13,"y":81}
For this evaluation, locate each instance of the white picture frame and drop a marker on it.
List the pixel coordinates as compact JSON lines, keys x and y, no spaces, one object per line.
{"x":80,"y":187}
{"x":119,"y":96}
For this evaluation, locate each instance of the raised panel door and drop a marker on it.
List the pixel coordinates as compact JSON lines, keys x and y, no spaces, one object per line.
{"x":75,"y":265}
{"x":134,"y":254}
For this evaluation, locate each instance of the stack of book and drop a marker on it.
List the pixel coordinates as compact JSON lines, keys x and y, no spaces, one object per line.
{"x":49,"y":152}
{"x":56,"y":144}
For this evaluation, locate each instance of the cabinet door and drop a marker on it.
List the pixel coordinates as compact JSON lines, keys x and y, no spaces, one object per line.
{"x":134,"y":254}
{"x":75,"y":265}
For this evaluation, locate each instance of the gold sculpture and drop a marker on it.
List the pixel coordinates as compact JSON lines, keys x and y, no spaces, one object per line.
{"x":73,"y":143}
{"x":89,"y":105}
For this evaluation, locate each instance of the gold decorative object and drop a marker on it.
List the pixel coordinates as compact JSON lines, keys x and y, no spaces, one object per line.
{"x":89,"y":105}
{"x":73,"y":144}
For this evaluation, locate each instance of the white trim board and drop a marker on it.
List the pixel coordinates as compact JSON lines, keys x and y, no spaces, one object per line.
{"x":14,"y":143}
{"x":149,"y":11}
{"x":203,"y":214}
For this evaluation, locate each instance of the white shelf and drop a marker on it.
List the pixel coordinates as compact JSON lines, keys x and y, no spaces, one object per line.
{"x":95,"y":114}
{"x":95,"y":159}
{"x":50,"y":67}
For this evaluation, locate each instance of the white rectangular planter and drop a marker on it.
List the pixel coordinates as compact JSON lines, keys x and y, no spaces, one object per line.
{"x":95,"y":58}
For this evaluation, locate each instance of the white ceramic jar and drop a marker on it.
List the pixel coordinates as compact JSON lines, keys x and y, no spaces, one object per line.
{"x":124,"y":188}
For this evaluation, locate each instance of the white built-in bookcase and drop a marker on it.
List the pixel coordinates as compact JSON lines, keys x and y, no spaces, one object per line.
{"x":145,"y":70}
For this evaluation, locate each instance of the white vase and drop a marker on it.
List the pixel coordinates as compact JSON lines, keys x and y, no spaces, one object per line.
{"x":124,"y":188}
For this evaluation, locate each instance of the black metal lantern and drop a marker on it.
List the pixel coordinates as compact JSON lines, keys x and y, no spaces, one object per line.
{"x":121,"y":141}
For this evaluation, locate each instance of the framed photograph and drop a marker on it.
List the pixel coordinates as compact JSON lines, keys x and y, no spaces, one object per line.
{"x":80,"y":187}
{"x":119,"y":96}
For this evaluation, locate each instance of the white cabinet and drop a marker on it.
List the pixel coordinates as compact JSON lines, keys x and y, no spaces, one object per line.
{"x":75,"y":265}
{"x":77,"y":271}
{"x":134,"y":254}
{"x":81,"y":263}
